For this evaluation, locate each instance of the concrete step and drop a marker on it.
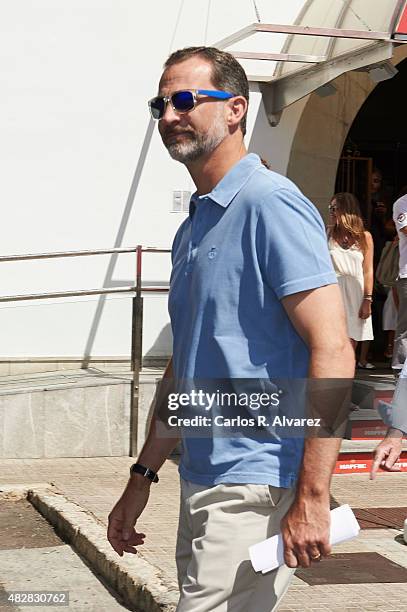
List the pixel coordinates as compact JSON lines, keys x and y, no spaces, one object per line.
{"x":46,"y":381}
{"x":349,"y":447}
{"x":65,"y":379}
{"x":365,"y":424}
{"x":72,"y":413}
{"x":368,"y":394}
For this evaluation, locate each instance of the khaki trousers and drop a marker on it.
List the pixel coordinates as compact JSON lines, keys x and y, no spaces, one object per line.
{"x":216,"y":527}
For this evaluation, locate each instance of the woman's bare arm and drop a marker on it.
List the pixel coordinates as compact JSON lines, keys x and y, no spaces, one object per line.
{"x":365,"y":307}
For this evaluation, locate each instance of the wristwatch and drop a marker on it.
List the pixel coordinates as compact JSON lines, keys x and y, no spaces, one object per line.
{"x":137,"y":468}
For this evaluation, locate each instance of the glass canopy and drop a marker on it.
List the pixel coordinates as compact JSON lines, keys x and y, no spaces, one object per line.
{"x":323,"y":41}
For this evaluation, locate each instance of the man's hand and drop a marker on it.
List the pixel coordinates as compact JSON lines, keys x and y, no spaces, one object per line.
{"x":387,"y":453}
{"x":305,"y":531}
{"x":121,"y":531}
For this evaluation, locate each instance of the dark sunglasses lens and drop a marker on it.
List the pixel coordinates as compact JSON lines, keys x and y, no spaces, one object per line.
{"x":157,"y":106}
{"x":183,"y":101}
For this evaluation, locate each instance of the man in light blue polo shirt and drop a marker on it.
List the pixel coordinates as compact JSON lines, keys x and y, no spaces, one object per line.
{"x":253,"y":296}
{"x":249,"y":243}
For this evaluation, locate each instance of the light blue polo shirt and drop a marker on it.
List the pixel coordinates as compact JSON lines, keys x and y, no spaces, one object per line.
{"x":254,"y":239}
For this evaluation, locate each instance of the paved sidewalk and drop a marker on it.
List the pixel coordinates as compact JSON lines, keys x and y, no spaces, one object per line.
{"x":29,"y":542}
{"x":96,"y":483}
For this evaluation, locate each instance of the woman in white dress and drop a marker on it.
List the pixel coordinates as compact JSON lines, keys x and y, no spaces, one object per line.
{"x":351,"y":249}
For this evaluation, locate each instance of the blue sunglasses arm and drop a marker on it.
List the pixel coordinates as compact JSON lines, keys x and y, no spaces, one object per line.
{"x":222,"y":95}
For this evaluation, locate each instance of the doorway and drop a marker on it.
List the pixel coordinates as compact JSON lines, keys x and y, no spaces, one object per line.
{"x":375,"y":152}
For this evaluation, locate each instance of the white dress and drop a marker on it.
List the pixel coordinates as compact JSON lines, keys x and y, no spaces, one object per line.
{"x":348,"y":265}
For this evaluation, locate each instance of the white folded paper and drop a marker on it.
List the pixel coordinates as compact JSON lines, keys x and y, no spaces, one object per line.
{"x":269,"y":554}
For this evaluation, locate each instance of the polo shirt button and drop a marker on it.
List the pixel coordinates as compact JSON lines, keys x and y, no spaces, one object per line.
{"x":212,"y":253}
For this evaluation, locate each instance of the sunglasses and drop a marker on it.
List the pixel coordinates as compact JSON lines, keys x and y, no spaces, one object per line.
{"x":183,"y":101}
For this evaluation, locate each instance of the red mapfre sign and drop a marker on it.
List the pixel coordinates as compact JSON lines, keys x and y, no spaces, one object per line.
{"x":360,"y":463}
{"x":402,"y":26}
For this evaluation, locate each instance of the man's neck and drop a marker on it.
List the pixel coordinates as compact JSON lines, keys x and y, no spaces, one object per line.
{"x":206,"y":172}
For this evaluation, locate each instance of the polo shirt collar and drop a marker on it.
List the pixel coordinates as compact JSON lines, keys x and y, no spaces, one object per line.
{"x":230,"y":185}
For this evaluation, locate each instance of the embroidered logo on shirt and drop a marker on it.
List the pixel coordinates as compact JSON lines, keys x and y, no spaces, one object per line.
{"x":401,"y":218}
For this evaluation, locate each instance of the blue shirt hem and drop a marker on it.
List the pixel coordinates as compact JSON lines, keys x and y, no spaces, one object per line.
{"x":286,"y":482}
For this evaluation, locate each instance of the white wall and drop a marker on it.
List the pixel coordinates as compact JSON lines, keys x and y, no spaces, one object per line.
{"x":82,"y":166}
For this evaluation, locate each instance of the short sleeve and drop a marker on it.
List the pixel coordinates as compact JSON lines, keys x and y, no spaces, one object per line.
{"x":291,"y":244}
{"x":400,"y":213}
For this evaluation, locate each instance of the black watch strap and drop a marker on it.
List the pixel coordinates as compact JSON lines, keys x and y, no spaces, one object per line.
{"x":137,"y":468}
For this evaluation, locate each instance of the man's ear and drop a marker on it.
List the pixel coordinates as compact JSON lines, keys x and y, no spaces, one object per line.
{"x":236,"y":110}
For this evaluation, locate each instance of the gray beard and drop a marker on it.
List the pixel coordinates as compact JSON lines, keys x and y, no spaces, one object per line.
{"x":198,"y":145}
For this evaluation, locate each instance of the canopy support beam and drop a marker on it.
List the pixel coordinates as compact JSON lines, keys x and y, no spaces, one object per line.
{"x":300,"y":30}
{"x":281,"y":57}
{"x":284,"y":91}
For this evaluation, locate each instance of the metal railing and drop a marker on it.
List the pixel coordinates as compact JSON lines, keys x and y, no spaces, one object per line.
{"x":137,"y":310}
